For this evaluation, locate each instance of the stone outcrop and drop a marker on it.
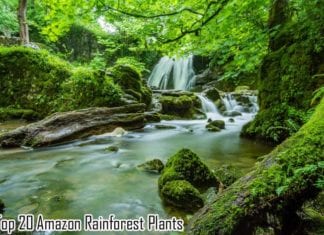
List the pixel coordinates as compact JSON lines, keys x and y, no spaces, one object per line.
{"x":66,"y":126}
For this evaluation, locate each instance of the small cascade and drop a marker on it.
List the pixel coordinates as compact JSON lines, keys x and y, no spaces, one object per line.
{"x":208,"y":107}
{"x":244,"y":103}
{"x":229,"y":102}
{"x":171,"y":73}
{"x":254,"y":101}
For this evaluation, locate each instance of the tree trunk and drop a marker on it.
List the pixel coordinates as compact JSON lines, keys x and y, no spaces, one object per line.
{"x":269,"y":196}
{"x":278,"y":16}
{"x":22,"y":19}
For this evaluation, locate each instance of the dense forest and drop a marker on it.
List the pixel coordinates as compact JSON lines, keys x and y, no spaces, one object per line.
{"x":208,"y":114}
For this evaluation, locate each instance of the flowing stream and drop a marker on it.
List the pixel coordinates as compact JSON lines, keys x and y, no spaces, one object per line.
{"x":80,"y":177}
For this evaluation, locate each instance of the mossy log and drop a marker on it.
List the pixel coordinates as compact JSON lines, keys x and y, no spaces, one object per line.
{"x":66,"y":126}
{"x":270,"y":195}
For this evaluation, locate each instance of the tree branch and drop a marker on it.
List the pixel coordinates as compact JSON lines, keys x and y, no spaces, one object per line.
{"x":137,"y":15}
{"x":203,"y":23}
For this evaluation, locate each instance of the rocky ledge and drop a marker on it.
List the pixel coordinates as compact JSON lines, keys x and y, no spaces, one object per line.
{"x":66,"y":126}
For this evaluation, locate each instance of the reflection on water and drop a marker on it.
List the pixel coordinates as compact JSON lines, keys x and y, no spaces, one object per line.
{"x":81,"y":177}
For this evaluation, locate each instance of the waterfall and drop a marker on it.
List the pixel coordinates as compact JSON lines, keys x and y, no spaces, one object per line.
{"x":229,"y":102}
{"x":249,"y":106}
{"x":171,"y":73}
{"x":208,"y":107}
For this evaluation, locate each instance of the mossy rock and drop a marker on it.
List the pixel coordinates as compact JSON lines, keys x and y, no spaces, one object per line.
{"x":31,"y":79}
{"x":227,"y":174}
{"x":220,"y":105}
{"x":167,"y":117}
{"x":11,"y":113}
{"x":242,"y":88}
{"x":131,"y":82}
{"x":232,"y":113}
{"x":181,"y":194}
{"x":155,"y":166}
{"x":182,"y":106}
{"x":212,"y":94}
{"x":112,"y":149}
{"x":212,"y":128}
{"x":216,"y":123}
{"x":186,"y":165}
{"x":36,"y":80}
{"x":165,"y":127}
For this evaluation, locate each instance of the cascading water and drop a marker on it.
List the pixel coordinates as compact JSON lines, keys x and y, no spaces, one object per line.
{"x":178,"y":74}
{"x":231,"y":104}
{"x":171,"y":73}
{"x":208,"y":107}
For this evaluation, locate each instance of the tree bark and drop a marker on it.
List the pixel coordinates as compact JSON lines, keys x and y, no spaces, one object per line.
{"x":278,"y":16}
{"x":22,"y":19}
{"x":270,"y":195}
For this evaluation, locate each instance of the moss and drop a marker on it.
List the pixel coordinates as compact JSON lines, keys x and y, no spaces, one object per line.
{"x":10,"y":113}
{"x":131,"y":82}
{"x":181,"y":194}
{"x":286,"y":86}
{"x":216,"y":123}
{"x":30,"y":79}
{"x":154,"y":165}
{"x":185,"y":164}
{"x":35,"y":80}
{"x":88,"y":88}
{"x":182,"y":106}
{"x":288,"y":176}
{"x":212,"y":128}
{"x":112,"y":149}
{"x":227,"y":174}
{"x":167,"y":116}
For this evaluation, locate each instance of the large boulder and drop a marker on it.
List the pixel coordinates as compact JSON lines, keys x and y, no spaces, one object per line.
{"x":186,"y":165}
{"x":131,"y":83}
{"x":183,"y":106}
{"x":66,"y":126}
{"x":212,"y":94}
{"x":183,"y":175}
{"x":181,"y":194}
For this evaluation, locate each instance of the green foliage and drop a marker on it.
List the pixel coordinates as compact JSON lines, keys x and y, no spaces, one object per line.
{"x":46,"y":84}
{"x":181,"y":194}
{"x":8,"y":17}
{"x":132,"y":62}
{"x":293,"y":171}
{"x":317,"y":96}
{"x":186,"y":165}
{"x":288,"y":77}
{"x":86,"y":88}
{"x":131,"y":82}
{"x":98,"y":62}
{"x":227,"y":174}
{"x":302,"y":159}
{"x":30,"y":79}
{"x":10,"y":113}
{"x":182,"y":106}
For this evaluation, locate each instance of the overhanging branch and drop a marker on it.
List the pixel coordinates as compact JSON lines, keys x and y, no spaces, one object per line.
{"x":202,"y":24}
